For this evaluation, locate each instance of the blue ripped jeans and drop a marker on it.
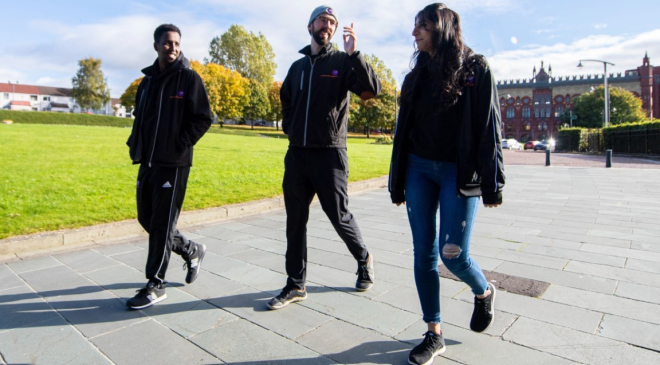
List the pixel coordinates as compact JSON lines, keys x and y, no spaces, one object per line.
{"x":430,"y":184}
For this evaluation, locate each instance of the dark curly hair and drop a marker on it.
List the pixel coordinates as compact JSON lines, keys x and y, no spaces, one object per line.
{"x":163,"y":28}
{"x":451,"y":65}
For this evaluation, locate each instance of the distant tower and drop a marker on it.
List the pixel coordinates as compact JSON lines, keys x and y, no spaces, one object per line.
{"x":646,"y":81}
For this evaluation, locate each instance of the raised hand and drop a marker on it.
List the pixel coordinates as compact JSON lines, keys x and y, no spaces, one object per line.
{"x":350,"y":41}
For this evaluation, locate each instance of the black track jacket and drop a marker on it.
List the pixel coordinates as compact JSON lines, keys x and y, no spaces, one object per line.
{"x":315,"y":98}
{"x":479,"y":155}
{"x":172,"y":113}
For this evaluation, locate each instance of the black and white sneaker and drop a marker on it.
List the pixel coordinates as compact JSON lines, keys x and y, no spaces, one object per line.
{"x":194,"y":261}
{"x":366,"y":275}
{"x":484,"y":311}
{"x":151,"y":294}
{"x":286,"y":297}
{"x":424,"y":353}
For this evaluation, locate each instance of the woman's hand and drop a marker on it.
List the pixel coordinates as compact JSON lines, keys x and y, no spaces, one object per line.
{"x":492,"y":205}
{"x":399,"y":204}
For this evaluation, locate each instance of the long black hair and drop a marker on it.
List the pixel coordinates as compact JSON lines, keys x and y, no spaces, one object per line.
{"x":451,"y":65}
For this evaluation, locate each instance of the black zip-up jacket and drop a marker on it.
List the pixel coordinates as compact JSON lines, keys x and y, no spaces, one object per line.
{"x":172,"y":113}
{"x":479,"y":156}
{"x":315,"y":98}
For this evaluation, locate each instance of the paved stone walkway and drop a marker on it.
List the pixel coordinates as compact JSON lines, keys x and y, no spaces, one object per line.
{"x":592,"y":233}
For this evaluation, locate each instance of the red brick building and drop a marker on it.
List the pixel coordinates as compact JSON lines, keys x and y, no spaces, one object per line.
{"x":531,"y":108}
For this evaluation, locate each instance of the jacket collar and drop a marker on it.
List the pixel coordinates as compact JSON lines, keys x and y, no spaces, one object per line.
{"x":307,"y":50}
{"x":154,"y":70}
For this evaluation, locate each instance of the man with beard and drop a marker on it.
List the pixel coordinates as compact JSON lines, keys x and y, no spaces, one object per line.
{"x":315,"y":101}
{"x":172,"y":113}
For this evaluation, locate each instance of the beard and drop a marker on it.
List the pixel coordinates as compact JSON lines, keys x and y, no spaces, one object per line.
{"x":317,"y":36}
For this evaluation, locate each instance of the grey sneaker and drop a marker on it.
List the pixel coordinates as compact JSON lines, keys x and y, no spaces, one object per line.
{"x":424,"y":353}
{"x":366,"y":275}
{"x":151,"y":294}
{"x":286,"y":297}
{"x":484,"y":311}
{"x":194,"y":261}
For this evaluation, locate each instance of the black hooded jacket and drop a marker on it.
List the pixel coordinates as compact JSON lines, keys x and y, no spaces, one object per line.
{"x":479,"y":155}
{"x":172,"y":113}
{"x":315,"y":98}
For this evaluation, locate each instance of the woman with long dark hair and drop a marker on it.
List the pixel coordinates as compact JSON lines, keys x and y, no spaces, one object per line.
{"x":447,"y":153}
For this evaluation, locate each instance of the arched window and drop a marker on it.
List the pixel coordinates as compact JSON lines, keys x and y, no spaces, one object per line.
{"x":510,"y":113}
{"x":526,"y":112}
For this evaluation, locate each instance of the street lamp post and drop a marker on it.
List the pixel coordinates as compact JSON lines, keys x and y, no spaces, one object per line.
{"x":607,"y":91}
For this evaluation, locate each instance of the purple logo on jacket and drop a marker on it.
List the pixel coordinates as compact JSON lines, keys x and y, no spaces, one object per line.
{"x":179,"y":93}
{"x":335,"y":72}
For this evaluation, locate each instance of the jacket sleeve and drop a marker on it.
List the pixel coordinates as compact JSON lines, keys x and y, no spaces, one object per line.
{"x":490,"y":162}
{"x":285,"y":99}
{"x":396,"y":181}
{"x":363,"y":81}
{"x":198,"y":113}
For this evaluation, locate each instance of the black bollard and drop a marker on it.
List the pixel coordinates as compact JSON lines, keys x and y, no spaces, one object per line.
{"x":547,"y":157}
{"x":608,"y":158}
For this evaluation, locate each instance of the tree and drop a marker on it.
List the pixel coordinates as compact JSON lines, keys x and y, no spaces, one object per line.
{"x":624,"y":107}
{"x":258,"y":105}
{"x":128,"y":97}
{"x":89,"y":86}
{"x":249,"y":54}
{"x":275,"y":113}
{"x":378,"y":112}
{"x":227,"y":90}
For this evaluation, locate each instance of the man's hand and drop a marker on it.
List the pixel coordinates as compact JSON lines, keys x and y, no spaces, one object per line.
{"x":492,"y":205}
{"x":399,"y":204}
{"x":350,"y":41}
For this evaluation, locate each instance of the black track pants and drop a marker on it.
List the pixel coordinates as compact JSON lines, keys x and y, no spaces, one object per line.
{"x":321,"y":171}
{"x":160,"y":193}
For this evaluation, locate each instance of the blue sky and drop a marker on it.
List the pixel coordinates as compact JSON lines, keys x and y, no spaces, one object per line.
{"x":43,"y":40}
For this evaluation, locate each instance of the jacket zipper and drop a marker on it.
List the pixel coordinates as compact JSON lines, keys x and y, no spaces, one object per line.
{"x":309,"y":96}
{"x":160,"y":104}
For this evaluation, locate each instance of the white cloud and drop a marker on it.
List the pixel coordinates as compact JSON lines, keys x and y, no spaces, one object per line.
{"x":600,"y":26}
{"x":626,"y":52}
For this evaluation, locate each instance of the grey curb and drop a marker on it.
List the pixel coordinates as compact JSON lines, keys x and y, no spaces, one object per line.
{"x":20,"y":247}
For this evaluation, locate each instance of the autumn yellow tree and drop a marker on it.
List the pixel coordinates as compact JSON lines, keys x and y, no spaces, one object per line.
{"x":228,"y":90}
{"x":275,"y":113}
{"x":128,"y":97}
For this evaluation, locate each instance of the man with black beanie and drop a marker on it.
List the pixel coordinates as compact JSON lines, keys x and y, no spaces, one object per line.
{"x":172,"y":113}
{"x":315,"y":101}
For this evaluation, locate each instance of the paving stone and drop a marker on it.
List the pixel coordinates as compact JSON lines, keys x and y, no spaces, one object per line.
{"x":115,"y":249}
{"x":242,"y":342}
{"x":135,"y":259}
{"x":575,"y":345}
{"x":223,"y":232}
{"x":643,"y":265}
{"x":609,"y":304}
{"x":58,"y":280}
{"x":587,"y":239}
{"x":584,"y":225}
{"x":255,"y":277}
{"x":624,"y":236}
{"x":55,"y":343}
{"x":467,"y":347}
{"x":576,"y":255}
{"x":122,"y":281}
{"x":644,"y":246}
{"x":634,"y":332}
{"x":221,"y":247}
{"x":290,"y":322}
{"x":345,"y":281}
{"x":259,"y":221}
{"x":622,"y":252}
{"x":586,"y":282}
{"x":266,"y":244}
{"x":187,"y":315}
{"x":346,"y":343}
{"x":543,"y":310}
{"x":86,"y":260}
{"x":391,"y":258}
{"x":149,"y":342}
{"x":486,"y":263}
{"x":532,"y":259}
{"x":582,"y":230}
{"x":495,"y":243}
{"x":8,"y":279}
{"x":540,"y":241}
{"x":359,"y":310}
{"x":275,"y":234}
{"x":33,"y":264}
{"x":638,"y":292}
{"x":22,"y":307}
{"x":615,"y":273}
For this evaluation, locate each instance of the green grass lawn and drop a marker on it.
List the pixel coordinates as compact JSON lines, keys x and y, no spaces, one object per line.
{"x":58,"y":176}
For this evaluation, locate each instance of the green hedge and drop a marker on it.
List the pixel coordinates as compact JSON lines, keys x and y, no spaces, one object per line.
{"x":637,"y":138}
{"x":568,"y":139}
{"x":31,"y":117}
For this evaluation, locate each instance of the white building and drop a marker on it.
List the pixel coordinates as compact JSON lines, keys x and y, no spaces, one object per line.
{"x":48,"y":98}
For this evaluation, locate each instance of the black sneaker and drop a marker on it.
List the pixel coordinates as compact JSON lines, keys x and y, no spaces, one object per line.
{"x":286,"y":297}
{"x":194,"y":261}
{"x":484,"y":311}
{"x":424,"y":353}
{"x":366,"y":275}
{"x":151,"y":294}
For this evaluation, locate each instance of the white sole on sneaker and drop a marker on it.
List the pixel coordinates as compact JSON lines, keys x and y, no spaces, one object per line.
{"x":493,"y":291}
{"x":159,"y":299}
{"x":440,"y":351}
{"x":295,"y":300}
